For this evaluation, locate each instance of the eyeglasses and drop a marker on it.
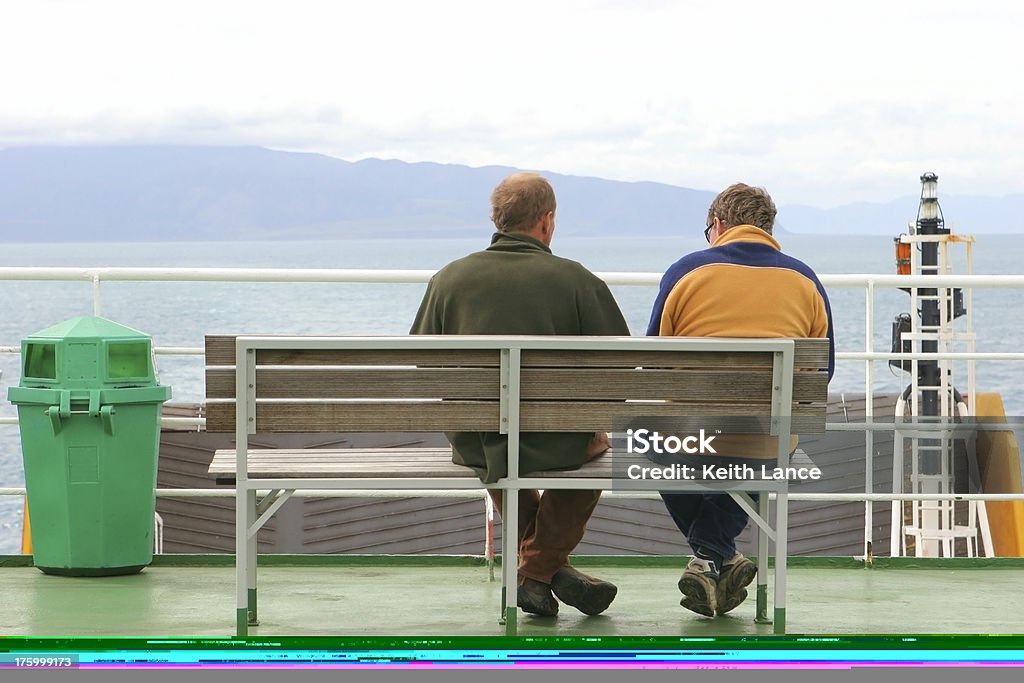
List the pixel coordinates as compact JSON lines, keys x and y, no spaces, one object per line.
{"x":707,"y":231}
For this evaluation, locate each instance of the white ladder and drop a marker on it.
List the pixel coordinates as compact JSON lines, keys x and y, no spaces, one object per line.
{"x":932,"y":523}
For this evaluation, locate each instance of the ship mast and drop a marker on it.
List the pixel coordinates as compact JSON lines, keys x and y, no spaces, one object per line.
{"x":939,"y":462}
{"x":929,"y":223}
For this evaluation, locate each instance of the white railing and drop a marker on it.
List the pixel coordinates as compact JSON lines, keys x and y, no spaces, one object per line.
{"x":869,"y":283}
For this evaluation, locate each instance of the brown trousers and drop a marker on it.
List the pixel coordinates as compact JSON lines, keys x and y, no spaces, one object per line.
{"x":551,"y":525}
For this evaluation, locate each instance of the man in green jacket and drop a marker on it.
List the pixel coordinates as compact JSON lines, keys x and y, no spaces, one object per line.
{"x":517,"y":286}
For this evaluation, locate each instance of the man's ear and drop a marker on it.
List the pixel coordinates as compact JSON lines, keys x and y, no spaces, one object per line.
{"x":547,"y":226}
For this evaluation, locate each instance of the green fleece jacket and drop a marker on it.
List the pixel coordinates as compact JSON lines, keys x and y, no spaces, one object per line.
{"x":517,"y":286}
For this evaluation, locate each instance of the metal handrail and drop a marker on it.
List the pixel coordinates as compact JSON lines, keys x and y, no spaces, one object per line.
{"x":481,"y":492}
{"x":413,"y":276}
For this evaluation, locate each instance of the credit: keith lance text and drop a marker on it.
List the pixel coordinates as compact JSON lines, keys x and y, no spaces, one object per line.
{"x":714,"y":472}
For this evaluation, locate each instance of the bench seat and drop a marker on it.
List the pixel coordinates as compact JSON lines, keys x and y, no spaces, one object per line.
{"x":341,"y":463}
{"x":406,"y":463}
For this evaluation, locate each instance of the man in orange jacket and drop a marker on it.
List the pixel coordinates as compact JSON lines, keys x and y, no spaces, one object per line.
{"x":742,"y":285}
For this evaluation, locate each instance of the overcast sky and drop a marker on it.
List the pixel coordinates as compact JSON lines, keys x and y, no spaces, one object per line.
{"x":821,"y":102}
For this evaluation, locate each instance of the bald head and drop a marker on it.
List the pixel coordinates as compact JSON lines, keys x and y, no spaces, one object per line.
{"x":520,"y":201}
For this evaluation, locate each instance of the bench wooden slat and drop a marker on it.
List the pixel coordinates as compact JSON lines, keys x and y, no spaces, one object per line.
{"x":575,"y":358}
{"x":378,"y":452}
{"x":220,"y":350}
{"x":367,"y":458}
{"x":678,"y":384}
{"x":344,"y":463}
{"x":389,"y":382}
{"x":562,"y":416}
{"x":470,"y":416}
{"x":807,"y":354}
{"x":535,"y":416}
{"x":428,"y":463}
{"x":419,"y":463}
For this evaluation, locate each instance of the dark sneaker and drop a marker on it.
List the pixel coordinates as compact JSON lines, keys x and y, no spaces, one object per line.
{"x":536,"y":598}
{"x":737,"y":573}
{"x":698,"y":585}
{"x":585,"y":593}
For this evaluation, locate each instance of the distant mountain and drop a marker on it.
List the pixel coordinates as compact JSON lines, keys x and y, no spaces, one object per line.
{"x":214,"y":193}
{"x":161,"y":193}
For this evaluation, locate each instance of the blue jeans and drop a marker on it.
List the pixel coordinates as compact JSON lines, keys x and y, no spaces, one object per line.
{"x":710,"y":521}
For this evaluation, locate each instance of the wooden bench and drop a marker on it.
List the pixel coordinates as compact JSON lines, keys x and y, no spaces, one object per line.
{"x":497,"y":384}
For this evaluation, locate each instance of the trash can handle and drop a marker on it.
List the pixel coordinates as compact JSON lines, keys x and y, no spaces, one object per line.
{"x":57,"y":413}
{"x":61,"y":410}
{"x":53,"y":412}
{"x":65,"y":403}
{"x":107,"y":418}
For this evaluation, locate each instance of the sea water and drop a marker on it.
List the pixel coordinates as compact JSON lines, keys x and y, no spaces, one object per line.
{"x":180,"y":314}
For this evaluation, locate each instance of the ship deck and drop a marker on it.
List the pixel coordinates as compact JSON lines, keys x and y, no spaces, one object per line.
{"x":434,"y":596}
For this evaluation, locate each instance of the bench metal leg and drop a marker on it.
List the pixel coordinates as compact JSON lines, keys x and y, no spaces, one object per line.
{"x":245,"y":564}
{"x":781,"y":553}
{"x":251,"y":561}
{"x":510,"y":560}
{"x":511,"y":614}
{"x":242,"y":522}
{"x":504,"y":559}
{"x":761,"y":614}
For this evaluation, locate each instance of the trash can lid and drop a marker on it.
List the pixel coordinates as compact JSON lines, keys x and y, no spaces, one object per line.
{"x":89,"y":327}
{"x":87,"y":353}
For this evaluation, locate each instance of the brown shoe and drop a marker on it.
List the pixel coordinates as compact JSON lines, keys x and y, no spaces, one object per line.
{"x":697,"y":585}
{"x":731,"y":591}
{"x":585,"y":593}
{"x":535,"y":597}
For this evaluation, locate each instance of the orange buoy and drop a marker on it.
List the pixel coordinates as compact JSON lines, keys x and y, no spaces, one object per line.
{"x":902,"y":257}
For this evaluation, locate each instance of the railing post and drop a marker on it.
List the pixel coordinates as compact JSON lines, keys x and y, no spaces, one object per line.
{"x":97,"y":296}
{"x":869,"y":412}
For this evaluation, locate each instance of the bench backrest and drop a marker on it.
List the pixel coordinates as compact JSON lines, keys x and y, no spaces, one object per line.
{"x":395,"y":384}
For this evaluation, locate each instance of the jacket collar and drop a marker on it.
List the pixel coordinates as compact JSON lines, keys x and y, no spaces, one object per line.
{"x":746,"y":233}
{"x":516,"y":241}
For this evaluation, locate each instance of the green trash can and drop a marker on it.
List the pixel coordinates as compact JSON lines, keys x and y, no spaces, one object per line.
{"x":89,"y":413}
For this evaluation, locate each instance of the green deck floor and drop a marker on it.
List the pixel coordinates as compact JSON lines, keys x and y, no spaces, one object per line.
{"x":388,"y":599}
